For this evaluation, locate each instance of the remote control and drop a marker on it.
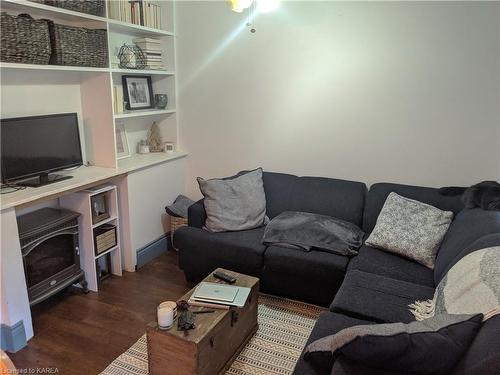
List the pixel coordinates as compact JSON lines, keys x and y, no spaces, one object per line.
{"x":224,"y":277}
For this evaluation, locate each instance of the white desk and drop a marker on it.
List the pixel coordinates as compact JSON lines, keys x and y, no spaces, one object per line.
{"x":14,"y":301}
{"x":84,"y":177}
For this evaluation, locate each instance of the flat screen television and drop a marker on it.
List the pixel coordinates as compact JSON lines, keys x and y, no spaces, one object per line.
{"x":33,"y":147}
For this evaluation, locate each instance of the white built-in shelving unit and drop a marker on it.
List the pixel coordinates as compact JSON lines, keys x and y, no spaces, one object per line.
{"x":29,"y":89}
{"x":81,"y":202}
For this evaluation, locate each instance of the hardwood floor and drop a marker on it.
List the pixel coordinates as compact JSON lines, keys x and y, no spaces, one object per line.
{"x":80,"y":334}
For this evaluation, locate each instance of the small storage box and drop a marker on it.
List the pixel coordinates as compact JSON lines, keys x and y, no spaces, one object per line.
{"x":24,"y":40}
{"x":95,"y":7}
{"x":104,"y":238}
{"x":78,"y":46}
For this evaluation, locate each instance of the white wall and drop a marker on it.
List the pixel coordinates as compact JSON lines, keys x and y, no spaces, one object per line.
{"x":398,"y":91}
{"x":160,"y":185}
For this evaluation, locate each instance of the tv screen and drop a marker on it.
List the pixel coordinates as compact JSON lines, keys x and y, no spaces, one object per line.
{"x":33,"y":146}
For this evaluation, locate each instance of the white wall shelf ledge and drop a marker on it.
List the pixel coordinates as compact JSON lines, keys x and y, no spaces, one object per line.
{"x":136,"y":30}
{"x":38,"y":10}
{"x":140,"y":161}
{"x":63,"y":68}
{"x":141,"y":113}
{"x":144,"y":71}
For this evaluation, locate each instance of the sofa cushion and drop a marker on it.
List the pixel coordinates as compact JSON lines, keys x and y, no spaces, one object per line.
{"x":279,"y":190}
{"x":346,"y":366}
{"x":392,"y":266}
{"x":235,"y":203}
{"x":201,"y":252}
{"x":313,"y":276}
{"x":378,"y":298}
{"x":327,"y":324}
{"x":341,"y":199}
{"x":483,"y":356}
{"x":434,"y":345}
{"x":410,"y":228}
{"x":468,"y":226}
{"x":378,"y":193}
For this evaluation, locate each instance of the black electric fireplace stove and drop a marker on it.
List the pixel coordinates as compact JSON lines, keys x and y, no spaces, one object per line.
{"x":51,"y":256}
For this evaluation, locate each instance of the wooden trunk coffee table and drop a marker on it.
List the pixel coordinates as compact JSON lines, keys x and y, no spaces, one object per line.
{"x":211,"y":347}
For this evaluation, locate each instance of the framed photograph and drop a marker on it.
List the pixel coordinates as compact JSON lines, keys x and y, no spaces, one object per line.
{"x":99,"y":207}
{"x":138,"y":92}
{"x":122,"y":147}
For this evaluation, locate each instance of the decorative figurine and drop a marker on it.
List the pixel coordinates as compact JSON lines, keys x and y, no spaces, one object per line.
{"x":154,"y":141}
{"x":186,"y":318}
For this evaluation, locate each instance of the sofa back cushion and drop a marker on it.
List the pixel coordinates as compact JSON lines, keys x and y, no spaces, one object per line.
{"x":341,"y":199}
{"x":378,"y":193}
{"x":468,"y":226}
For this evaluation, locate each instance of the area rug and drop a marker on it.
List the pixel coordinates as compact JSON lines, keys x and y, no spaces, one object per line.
{"x":284,"y":326}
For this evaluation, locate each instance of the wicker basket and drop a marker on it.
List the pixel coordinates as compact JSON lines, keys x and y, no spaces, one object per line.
{"x":78,"y":46}
{"x":24,"y":40}
{"x":95,"y":7}
{"x":176,"y":223}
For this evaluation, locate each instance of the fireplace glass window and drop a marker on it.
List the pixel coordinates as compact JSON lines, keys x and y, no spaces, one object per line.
{"x":50,"y":257}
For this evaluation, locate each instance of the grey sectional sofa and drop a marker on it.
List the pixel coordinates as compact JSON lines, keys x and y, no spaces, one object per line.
{"x":372,"y":287}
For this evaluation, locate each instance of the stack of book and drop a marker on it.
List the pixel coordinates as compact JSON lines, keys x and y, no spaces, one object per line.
{"x":219,"y":296}
{"x":152,"y":51}
{"x":139,"y":12}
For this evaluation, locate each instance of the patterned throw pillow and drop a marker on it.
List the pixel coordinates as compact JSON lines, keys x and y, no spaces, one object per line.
{"x":410,"y":228}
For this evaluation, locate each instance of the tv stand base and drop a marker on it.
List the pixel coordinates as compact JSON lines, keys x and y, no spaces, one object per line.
{"x":43,"y":180}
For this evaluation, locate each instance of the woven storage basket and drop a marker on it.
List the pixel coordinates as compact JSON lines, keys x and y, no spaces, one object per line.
{"x":176,"y":223}
{"x":78,"y":46}
{"x":24,"y":40}
{"x":95,"y":7}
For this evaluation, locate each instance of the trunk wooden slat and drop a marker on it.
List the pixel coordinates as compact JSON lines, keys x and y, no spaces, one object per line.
{"x":210,"y":348}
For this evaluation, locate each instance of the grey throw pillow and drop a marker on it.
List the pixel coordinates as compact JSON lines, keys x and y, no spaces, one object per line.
{"x":410,"y":228}
{"x":234,"y":203}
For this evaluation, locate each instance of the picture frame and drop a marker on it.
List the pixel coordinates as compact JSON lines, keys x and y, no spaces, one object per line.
{"x":122,"y":146}
{"x":137,"y":92}
{"x":100,"y":208}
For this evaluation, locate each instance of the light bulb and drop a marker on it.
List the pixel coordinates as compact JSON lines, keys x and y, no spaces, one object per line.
{"x":239,"y":6}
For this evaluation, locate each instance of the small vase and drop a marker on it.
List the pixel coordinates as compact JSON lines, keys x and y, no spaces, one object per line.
{"x":161,"y":101}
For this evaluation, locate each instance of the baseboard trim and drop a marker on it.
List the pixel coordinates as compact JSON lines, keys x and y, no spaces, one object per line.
{"x":13,"y":338}
{"x":153,"y":249}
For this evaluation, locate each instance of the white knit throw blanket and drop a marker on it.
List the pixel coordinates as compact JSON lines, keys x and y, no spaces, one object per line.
{"x":471,"y":286}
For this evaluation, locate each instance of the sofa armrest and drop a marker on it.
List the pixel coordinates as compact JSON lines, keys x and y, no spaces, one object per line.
{"x":197,"y":214}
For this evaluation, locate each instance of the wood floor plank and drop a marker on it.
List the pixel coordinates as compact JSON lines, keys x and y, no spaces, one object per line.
{"x":80,"y":334}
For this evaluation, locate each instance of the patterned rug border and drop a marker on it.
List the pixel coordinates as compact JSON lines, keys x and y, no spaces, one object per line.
{"x":284,"y":326}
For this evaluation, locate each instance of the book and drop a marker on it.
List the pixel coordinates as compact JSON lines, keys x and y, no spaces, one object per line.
{"x":192,"y":302}
{"x":146,"y":40}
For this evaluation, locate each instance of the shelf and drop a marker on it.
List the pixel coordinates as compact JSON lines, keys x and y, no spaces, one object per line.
{"x":136,"y":30}
{"x":106,"y":221}
{"x":38,"y":10}
{"x":142,"y":113}
{"x":143,"y":72}
{"x":138,"y":161}
{"x":77,"y":69}
{"x":106,"y":252}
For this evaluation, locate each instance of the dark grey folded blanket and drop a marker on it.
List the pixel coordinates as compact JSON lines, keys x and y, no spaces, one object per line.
{"x":306,"y":231}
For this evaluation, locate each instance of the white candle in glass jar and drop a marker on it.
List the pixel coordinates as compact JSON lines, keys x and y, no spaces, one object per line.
{"x":165,"y":316}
